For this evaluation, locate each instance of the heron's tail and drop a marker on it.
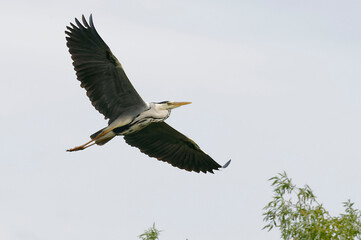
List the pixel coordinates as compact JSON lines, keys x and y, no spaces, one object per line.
{"x":104,"y":139}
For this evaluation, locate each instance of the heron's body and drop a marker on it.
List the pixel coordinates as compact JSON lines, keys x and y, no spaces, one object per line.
{"x":124,"y":125}
{"x":111,"y":93}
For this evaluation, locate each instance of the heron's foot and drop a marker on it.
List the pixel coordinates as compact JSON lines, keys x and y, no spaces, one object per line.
{"x":76,"y":149}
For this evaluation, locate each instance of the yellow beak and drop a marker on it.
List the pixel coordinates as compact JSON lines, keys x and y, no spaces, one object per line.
{"x":180,"y":103}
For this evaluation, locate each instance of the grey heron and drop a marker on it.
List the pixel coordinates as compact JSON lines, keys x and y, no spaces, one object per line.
{"x":111,"y":93}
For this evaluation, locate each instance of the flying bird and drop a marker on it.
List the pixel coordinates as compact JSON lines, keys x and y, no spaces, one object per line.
{"x":112,"y":94}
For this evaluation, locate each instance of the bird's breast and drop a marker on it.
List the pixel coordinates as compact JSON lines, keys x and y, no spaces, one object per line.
{"x":141,"y":121}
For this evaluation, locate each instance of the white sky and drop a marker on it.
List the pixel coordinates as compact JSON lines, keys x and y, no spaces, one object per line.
{"x":275,"y":86}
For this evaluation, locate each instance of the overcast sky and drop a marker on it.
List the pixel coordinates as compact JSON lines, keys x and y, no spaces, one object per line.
{"x":275,"y":85}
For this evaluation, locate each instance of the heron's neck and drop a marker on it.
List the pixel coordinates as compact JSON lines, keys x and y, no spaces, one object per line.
{"x":158,"y":111}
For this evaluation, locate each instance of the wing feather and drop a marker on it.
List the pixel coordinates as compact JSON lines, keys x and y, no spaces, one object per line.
{"x":100,"y":73}
{"x":163,"y":142}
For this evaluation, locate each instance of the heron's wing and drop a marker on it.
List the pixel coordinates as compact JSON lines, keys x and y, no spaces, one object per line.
{"x":163,"y":142}
{"x":99,"y":71}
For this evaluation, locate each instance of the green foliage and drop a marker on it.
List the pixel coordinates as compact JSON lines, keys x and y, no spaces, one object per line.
{"x":299,"y":216}
{"x":150,"y":234}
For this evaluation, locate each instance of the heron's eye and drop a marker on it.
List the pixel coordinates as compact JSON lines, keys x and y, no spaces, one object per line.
{"x":164,"y":102}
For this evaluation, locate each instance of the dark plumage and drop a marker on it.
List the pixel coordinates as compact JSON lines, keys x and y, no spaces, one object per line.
{"x":163,"y":142}
{"x":100,"y":72}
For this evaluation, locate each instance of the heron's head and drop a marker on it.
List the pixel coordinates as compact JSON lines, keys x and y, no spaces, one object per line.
{"x":167,"y":105}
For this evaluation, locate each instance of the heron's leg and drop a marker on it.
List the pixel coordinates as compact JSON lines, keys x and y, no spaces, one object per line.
{"x":90,"y":143}
{"x":82,"y":147}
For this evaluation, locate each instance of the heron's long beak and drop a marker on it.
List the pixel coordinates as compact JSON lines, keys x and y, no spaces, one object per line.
{"x":180,"y":103}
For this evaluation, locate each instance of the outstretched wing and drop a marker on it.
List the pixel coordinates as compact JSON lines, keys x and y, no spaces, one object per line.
{"x":99,"y":72}
{"x":163,"y":142}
